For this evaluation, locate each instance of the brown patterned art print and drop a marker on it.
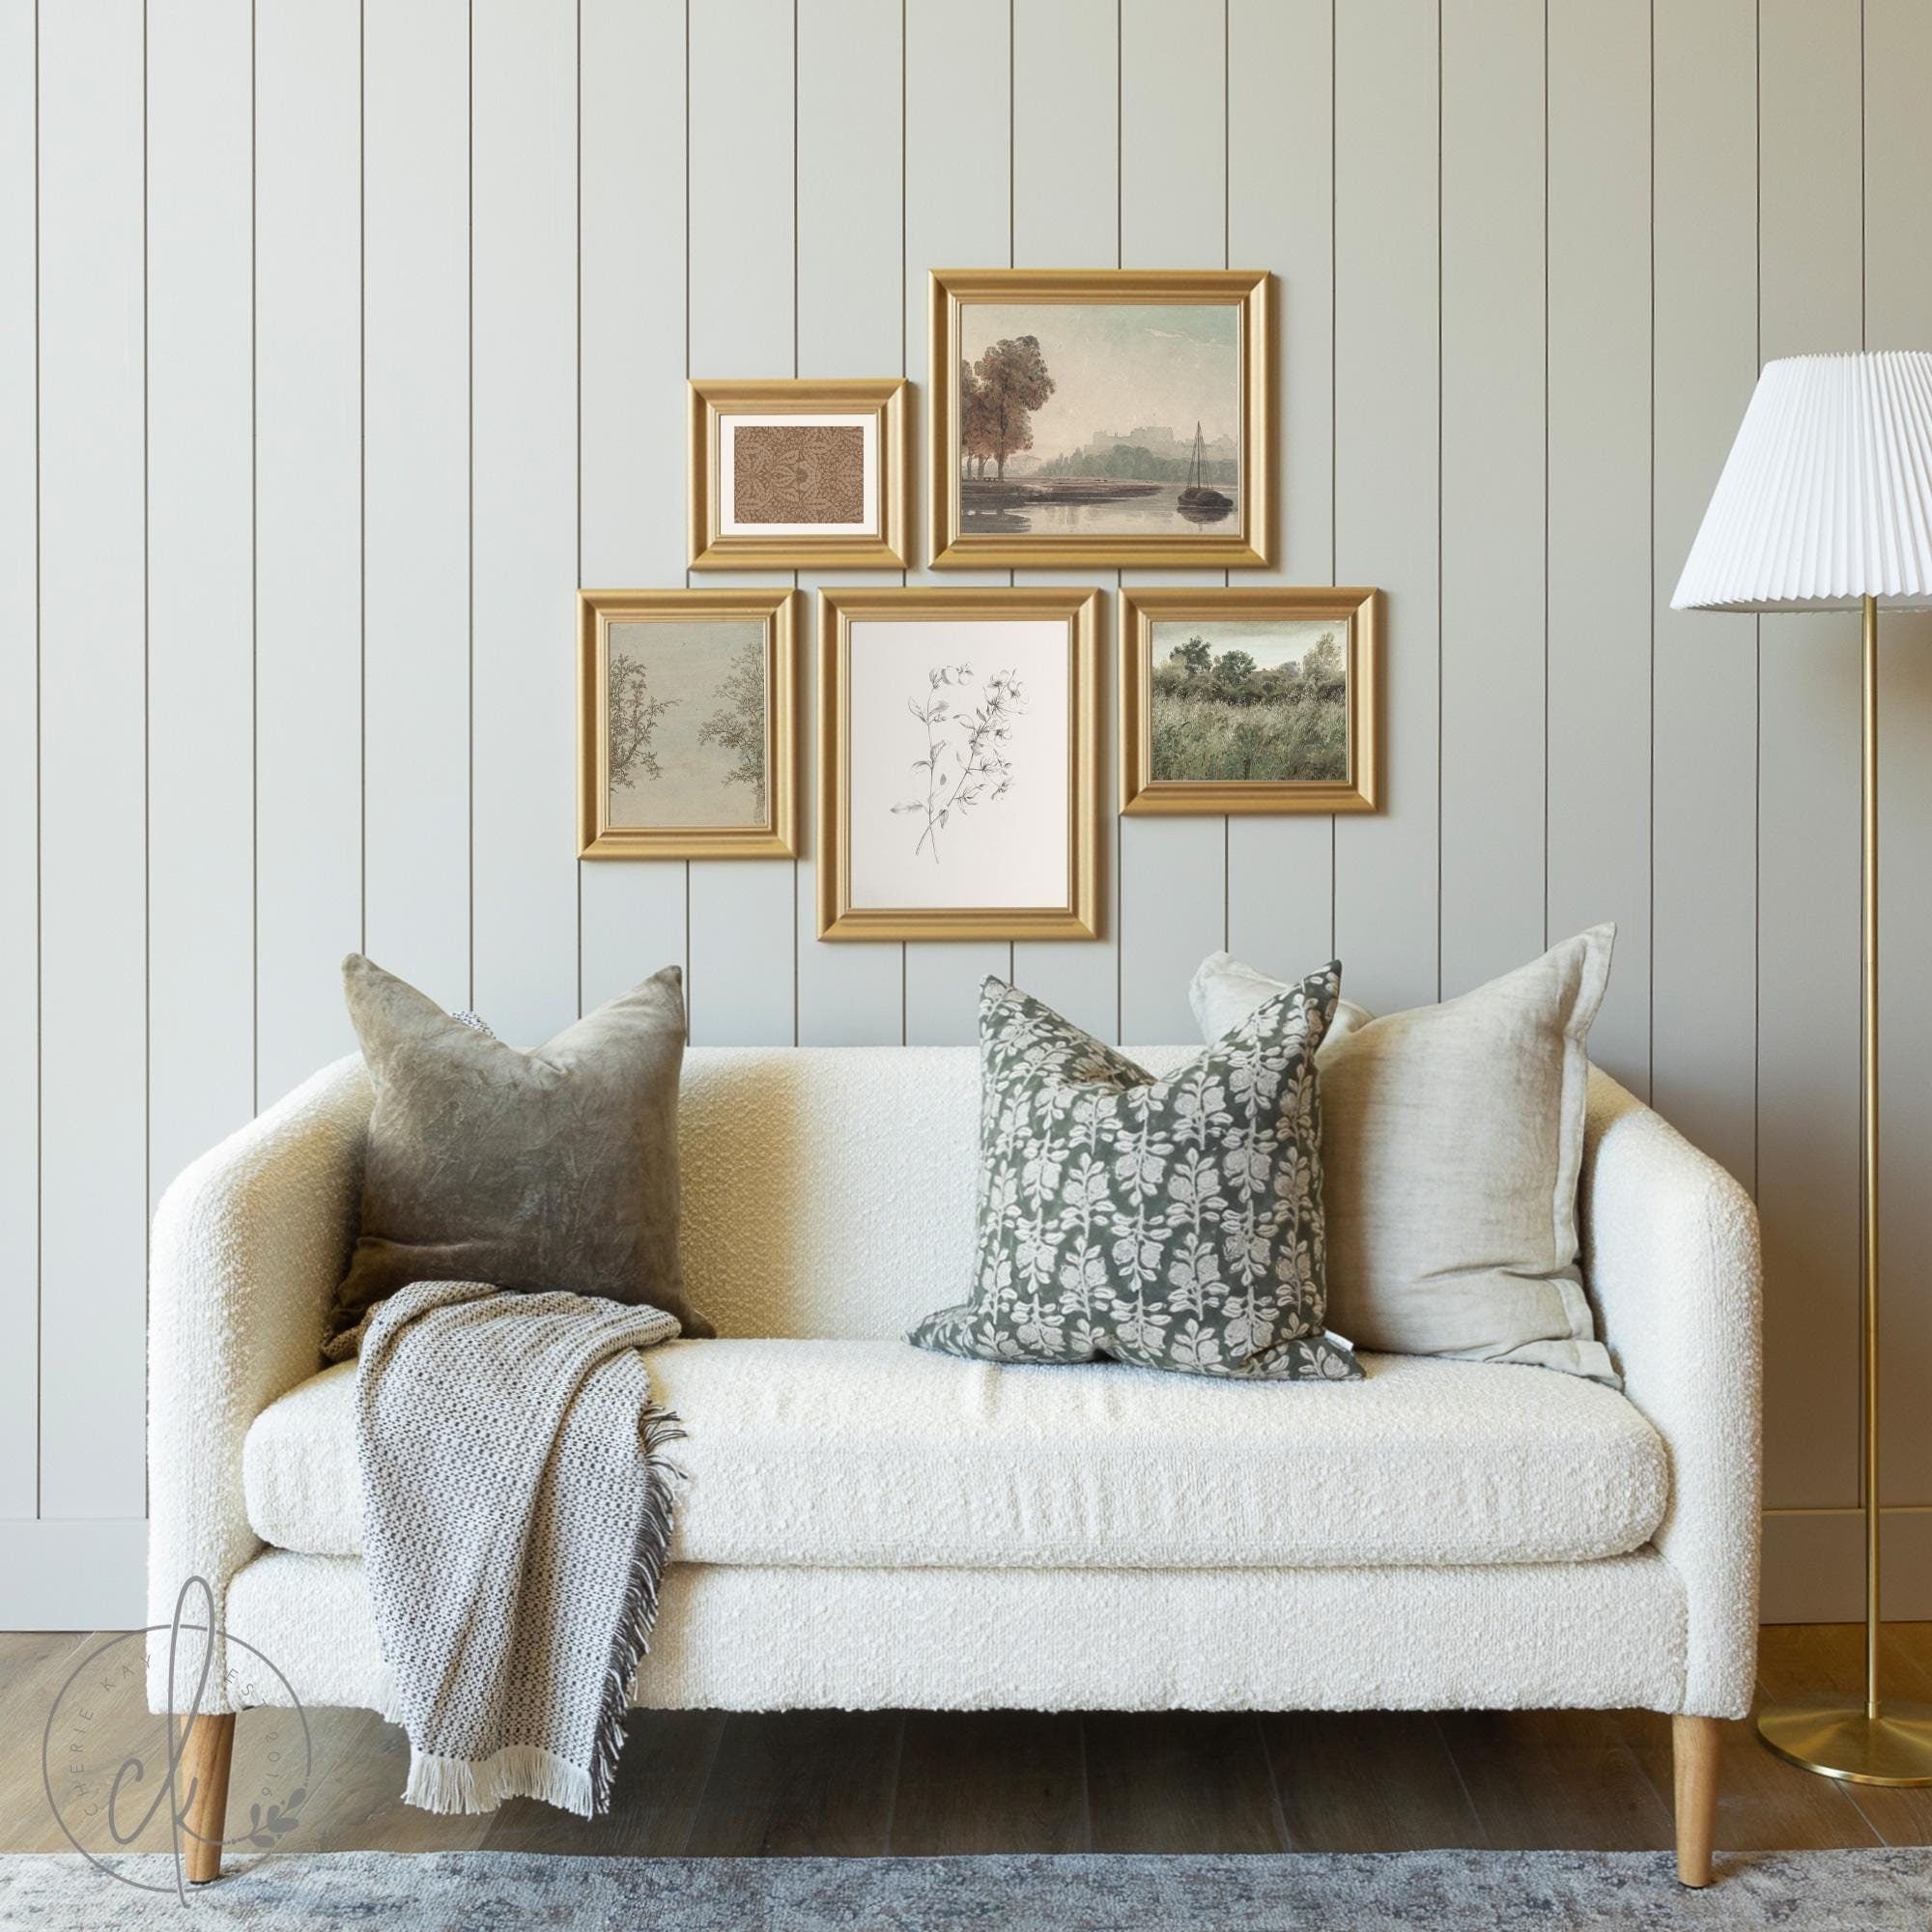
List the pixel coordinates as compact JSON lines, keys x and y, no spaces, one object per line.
{"x":798,"y":473}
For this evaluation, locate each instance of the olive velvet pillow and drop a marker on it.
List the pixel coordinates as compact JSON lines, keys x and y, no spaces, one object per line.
{"x":1173,"y":1223}
{"x":552,"y":1169}
{"x":1452,"y":1143}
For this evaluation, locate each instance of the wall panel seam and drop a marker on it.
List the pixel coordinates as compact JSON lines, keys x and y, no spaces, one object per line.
{"x":470,"y":426}
{"x":39,"y":857}
{"x":577,"y":258}
{"x":363,"y":466}
{"x":1440,"y":574}
{"x":147,"y":753}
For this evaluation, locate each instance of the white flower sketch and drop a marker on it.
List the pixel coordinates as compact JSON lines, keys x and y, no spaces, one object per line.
{"x":966,"y":758}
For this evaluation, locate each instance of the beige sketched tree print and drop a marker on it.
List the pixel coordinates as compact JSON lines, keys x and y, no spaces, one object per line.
{"x":738,"y":725}
{"x":633,"y":714}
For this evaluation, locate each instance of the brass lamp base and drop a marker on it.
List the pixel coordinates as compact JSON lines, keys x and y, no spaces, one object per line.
{"x":1834,"y":1736}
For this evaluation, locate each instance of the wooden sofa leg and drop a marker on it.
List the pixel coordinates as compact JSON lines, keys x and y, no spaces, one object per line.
{"x":206,"y":1752}
{"x":1693,"y":1753}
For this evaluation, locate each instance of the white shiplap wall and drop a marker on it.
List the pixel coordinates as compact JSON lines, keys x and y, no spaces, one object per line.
{"x":339,"y":342}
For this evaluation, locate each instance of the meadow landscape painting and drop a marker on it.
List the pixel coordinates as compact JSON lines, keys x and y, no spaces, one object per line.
{"x":1247,"y":701}
{"x":1252,"y":699}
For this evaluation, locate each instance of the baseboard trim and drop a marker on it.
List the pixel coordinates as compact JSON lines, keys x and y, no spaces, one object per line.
{"x":85,"y":1576}
{"x":77,"y":1575}
{"x":1814,"y":1565}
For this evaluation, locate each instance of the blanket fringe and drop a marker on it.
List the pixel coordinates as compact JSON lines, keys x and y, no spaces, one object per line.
{"x":516,"y":1770}
{"x":639,"y":1613}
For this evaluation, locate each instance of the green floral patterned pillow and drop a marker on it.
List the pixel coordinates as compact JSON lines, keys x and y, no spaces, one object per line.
{"x":1175,"y":1223}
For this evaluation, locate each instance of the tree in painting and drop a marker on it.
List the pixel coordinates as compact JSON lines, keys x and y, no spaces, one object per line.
{"x":633,"y":715}
{"x":1219,"y":714}
{"x":738,"y":725}
{"x":997,"y":397}
{"x":976,"y":439}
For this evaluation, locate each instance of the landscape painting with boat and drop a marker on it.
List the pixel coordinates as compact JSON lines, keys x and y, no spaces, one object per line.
{"x":1099,"y":418}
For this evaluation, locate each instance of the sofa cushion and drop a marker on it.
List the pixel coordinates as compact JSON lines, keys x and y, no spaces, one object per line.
{"x":1451,"y":1139}
{"x":1174,"y":1222}
{"x":874,"y":1454}
{"x":551,"y":1169}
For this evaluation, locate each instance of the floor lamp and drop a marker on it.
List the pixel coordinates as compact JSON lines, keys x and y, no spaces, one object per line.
{"x":1826,"y":504}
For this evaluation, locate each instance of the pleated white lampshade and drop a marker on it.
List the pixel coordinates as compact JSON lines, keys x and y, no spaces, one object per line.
{"x":1827,"y":494}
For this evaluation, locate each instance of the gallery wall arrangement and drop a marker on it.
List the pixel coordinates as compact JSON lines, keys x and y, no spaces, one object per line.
{"x":341,"y":348}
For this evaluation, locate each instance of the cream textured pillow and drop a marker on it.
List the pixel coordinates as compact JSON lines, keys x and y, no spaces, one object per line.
{"x":1452,"y":1141}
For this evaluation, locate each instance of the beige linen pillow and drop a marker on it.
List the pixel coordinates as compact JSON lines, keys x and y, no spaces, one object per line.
{"x":1451,"y":1145}
{"x":551,"y":1169}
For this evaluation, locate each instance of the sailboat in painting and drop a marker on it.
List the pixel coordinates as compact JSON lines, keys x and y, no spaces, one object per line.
{"x":1199,"y":501}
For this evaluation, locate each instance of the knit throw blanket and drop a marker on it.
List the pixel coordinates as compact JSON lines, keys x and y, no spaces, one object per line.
{"x":517,"y":1517}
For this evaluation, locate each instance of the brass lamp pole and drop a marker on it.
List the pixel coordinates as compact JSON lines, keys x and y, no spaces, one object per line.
{"x":1824,"y":504}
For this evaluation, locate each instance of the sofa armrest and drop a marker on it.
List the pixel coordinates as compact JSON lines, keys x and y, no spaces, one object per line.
{"x":250,"y":1246}
{"x":1670,"y":1253}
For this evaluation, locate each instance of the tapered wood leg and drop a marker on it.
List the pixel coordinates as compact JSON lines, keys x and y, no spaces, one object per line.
{"x":1694,"y":1752}
{"x":203,"y":1772}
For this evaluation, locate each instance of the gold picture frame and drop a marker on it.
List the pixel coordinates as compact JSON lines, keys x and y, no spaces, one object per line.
{"x":1168,"y":537}
{"x":1271,"y":620}
{"x":1014,"y":699}
{"x":720,"y":750}
{"x":876,"y":414}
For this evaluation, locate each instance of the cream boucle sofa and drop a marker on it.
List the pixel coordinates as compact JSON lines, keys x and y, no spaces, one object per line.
{"x":866,"y":1526}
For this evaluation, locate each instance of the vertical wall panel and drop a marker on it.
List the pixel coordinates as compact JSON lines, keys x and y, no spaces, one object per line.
{"x":743,"y":267}
{"x":308,"y":534}
{"x":19,"y":769}
{"x":1067,"y":142}
{"x":1387,"y":450}
{"x":1281,"y":210}
{"x":1810,"y":204}
{"x":959,"y":126}
{"x":1898,"y":315}
{"x":633,"y":348}
{"x":1174,"y":214}
{"x":94,"y":1193}
{"x":524,"y":827}
{"x":1704,"y":994}
{"x":201,"y":682}
{"x":1599,"y":537}
{"x":416,"y":478}
{"x":1494,"y":374}
{"x":851,"y":321}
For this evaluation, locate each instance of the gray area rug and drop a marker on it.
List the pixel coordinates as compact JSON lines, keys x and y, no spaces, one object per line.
{"x":495,"y":1891}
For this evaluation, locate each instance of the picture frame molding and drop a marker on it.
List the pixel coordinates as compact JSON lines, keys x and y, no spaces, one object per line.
{"x":777,"y":838}
{"x":711,"y":400}
{"x":1253,"y":546}
{"x":1080,"y":608}
{"x":1358,"y":606}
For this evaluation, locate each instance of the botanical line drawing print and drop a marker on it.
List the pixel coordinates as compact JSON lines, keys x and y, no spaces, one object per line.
{"x":634,"y":721}
{"x":738,"y":725}
{"x":966,"y":759}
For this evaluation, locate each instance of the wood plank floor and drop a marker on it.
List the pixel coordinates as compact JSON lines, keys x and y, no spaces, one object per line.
{"x":705,"y":1783}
